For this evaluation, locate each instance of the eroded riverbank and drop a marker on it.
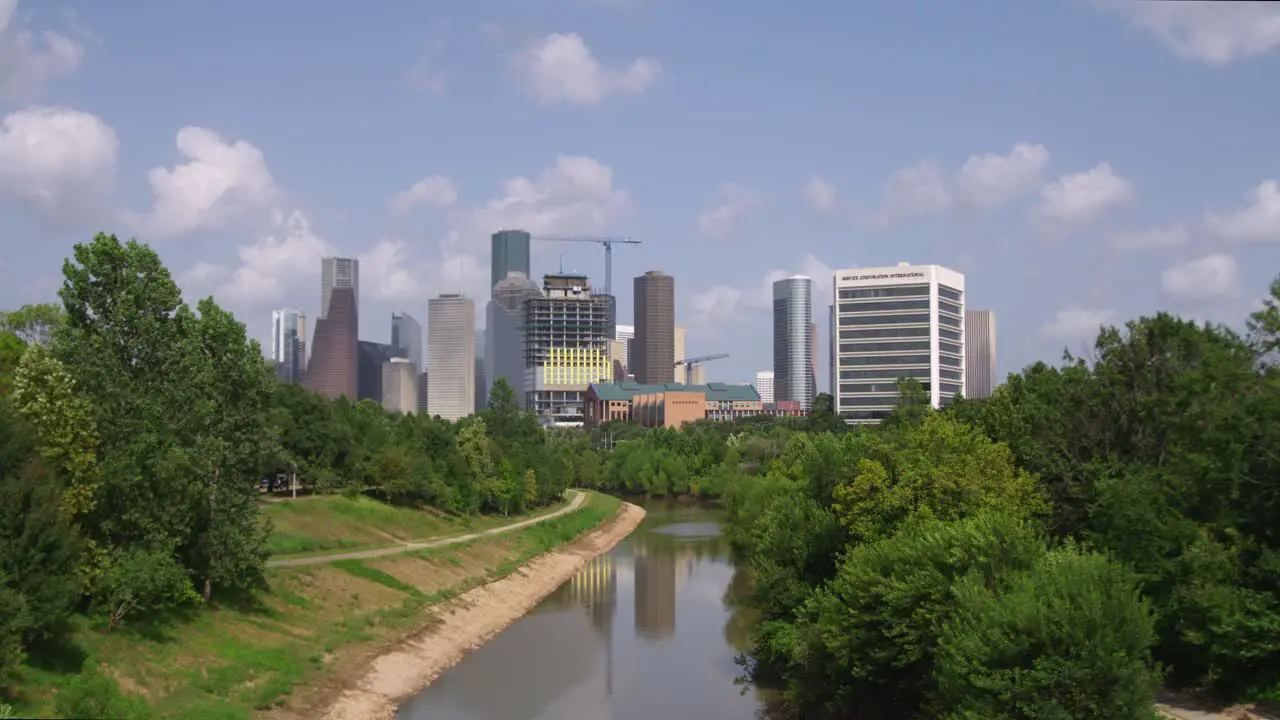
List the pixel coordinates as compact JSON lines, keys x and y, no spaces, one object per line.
{"x":466,"y":623}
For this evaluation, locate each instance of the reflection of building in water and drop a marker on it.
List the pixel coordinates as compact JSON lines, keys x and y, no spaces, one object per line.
{"x":595,"y":588}
{"x":655,"y":592}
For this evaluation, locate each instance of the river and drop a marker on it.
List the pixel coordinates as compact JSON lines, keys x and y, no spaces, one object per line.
{"x":645,"y":631}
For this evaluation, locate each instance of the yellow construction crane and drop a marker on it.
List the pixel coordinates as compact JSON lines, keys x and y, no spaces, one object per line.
{"x":607,"y":242}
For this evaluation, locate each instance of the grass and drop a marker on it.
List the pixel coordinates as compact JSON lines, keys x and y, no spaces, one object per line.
{"x":317,"y":621}
{"x":330,"y":523}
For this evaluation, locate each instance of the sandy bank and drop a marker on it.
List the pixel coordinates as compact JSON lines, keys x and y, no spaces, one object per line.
{"x":467,"y":622}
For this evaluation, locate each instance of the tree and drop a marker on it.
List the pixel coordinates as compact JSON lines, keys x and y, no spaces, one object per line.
{"x":11,"y":350}
{"x":33,"y":324}
{"x":477,"y":457}
{"x":530,"y":488}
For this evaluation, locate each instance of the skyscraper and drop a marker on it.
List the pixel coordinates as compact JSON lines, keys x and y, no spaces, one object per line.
{"x":451,"y":356}
{"x":567,"y":333}
{"x":504,"y":332}
{"x":891,"y":323}
{"x":681,"y":372}
{"x":509,"y":253}
{"x":370,"y":357}
{"x":793,"y":376}
{"x":764,"y":386}
{"x":979,"y":353}
{"x":654,"y":353}
{"x":399,"y":386}
{"x":289,"y":344}
{"x":406,"y":334}
{"x":333,"y":366}
{"x":336,"y":272}
{"x":625,"y":334}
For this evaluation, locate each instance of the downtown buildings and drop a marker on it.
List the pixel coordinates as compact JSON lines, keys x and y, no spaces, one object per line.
{"x":895,"y":322}
{"x":451,"y":356}
{"x":289,"y":344}
{"x":504,"y":354}
{"x":793,"y":341}
{"x":979,"y":353}
{"x":567,"y":331}
{"x":653,"y":349}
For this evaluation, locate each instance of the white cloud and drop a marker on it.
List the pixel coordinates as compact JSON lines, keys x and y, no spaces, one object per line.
{"x":1206,"y":278}
{"x":1257,"y":221}
{"x":990,"y":181}
{"x":434,"y":190}
{"x":220,"y":182}
{"x":56,"y":159}
{"x":1174,"y":236}
{"x":560,"y":69}
{"x":576,"y":196}
{"x":735,"y":202}
{"x":1075,"y":200}
{"x":279,"y":266}
{"x":1076,"y":323}
{"x":820,"y":194}
{"x":984,"y":182}
{"x":1215,"y":33}
{"x":29,"y":61}
{"x":386,"y":273}
{"x":722,"y":304}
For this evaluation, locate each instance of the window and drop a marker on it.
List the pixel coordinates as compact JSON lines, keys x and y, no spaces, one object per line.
{"x":885,"y":360}
{"x":868,"y":400}
{"x":952,"y":348}
{"x":948,"y":361}
{"x":949,"y":334}
{"x":950,"y":307}
{"x":950,"y":374}
{"x":907,"y":332}
{"x":880,"y":387}
{"x":865,"y":414}
{"x":950,"y":293}
{"x":949,"y":388}
{"x":891,"y":374}
{"x":884,"y":292}
{"x":908,"y":319}
{"x":884,"y":346}
{"x":884,"y":305}
{"x":948,"y":320}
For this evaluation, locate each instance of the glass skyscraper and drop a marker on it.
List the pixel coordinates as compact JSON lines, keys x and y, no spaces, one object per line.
{"x":509,"y":253}
{"x":793,"y":377}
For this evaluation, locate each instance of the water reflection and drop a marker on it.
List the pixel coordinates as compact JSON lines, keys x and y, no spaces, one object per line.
{"x":644,"y":631}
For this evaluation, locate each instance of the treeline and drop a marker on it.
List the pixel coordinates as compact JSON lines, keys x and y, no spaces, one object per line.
{"x":136,"y":431}
{"x":1060,"y":550}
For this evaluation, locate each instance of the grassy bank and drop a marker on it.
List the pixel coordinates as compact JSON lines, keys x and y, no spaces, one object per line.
{"x":329,"y":523}
{"x":316,"y":622}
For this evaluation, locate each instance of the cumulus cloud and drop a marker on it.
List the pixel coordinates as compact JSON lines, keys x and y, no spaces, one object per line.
{"x":820,"y":194}
{"x":736,"y":201}
{"x":57,"y":161}
{"x":560,"y":69}
{"x":1257,"y":221}
{"x":1080,"y":198}
{"x":1214,"y":33}
{"x":1161,"y":238}
{"x":984,"y":182}
{"x":30,"y":60}
{"x":1076,"y":323}
{"x":723,"y":304}
{"x":1207,"y":278}
{"x":221,"y":181}
{"x":434,"y":191}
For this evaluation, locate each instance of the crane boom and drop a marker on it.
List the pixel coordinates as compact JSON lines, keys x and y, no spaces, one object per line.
{"x":607,"y":242}
{"x":701,"y":359}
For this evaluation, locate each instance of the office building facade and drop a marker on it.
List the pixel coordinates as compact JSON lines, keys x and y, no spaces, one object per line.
{"x":332,"y":370}
{"x":567,"y":333}
{"x":653,"y":349}
{"x":896,"y":322}
{"x":764,"y":386}
{"x":370,"y":357}
{"x":509,"y":252}
{"x":289,"y":344}
{"x":979,"y":353}
{"x":793,"y":376}
{"x":681,"y":372}
{"x":451,"y":356}
{"x":336,"y":272}
{"x":504,"y":332}
{"x":406,"y":334}
{"x":399,"y":386}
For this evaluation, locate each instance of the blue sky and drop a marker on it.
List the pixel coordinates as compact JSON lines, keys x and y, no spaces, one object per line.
{"x":1081,"y":161}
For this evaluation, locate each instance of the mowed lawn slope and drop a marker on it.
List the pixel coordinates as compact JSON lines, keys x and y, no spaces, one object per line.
{"x":329,"y":523}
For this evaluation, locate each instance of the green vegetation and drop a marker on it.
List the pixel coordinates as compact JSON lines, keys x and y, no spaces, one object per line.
{"x":1059,"y":550}
{"x":135,"y":433}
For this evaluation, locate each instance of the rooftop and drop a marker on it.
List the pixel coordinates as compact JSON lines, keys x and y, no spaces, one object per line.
{"x":713,"y":391}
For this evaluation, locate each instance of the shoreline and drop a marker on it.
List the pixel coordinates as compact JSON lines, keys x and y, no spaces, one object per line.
{"x":468,"y":622}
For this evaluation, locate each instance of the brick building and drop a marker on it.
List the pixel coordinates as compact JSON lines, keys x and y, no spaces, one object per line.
{"x":669,"y":404}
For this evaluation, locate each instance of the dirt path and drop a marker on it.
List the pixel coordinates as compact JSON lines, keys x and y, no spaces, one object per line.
{"x":467,"y":623}
{"x":427,"y":544}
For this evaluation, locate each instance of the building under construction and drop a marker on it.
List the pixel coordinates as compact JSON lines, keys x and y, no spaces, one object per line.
{"x":566,"y":347}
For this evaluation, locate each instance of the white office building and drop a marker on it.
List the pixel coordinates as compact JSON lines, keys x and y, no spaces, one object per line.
{"x":451,"y":356}
{"x":891,"y":323}
{"x":764,"y":386}
{"x":399,"y":386}
{"x":979,"y":353}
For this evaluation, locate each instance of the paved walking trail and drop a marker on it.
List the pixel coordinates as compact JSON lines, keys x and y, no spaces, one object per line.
{"x":578,"y":499}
